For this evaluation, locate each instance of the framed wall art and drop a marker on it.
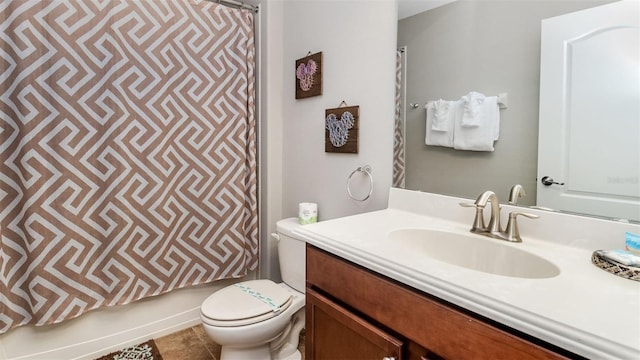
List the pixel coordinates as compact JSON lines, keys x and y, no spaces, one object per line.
{"x":341,"y":129}
{"x":309,"y":76}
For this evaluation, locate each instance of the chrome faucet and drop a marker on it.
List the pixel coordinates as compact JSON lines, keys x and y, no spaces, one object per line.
{"x":494,"y":230}
{"x":517,"y":191}
{"x":494,"y":220}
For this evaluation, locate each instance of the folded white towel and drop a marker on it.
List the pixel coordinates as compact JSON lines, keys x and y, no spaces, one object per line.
{"x":440,"y":137}
{"x":622,"y":257}
{"x":441,"y":116}
{"x":472,"y":112}
{"x":481,"y":137}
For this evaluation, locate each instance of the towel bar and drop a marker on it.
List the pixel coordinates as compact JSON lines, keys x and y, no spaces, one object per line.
{"x":367,"y":170}
{"x":503,"y":100}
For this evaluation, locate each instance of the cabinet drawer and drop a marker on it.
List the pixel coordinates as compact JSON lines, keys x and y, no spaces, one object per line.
{"x":431,"y":323}
{"x":349,"y":336}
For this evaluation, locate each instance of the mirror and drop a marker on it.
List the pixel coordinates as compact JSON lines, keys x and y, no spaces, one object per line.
{"x":491,"y":47}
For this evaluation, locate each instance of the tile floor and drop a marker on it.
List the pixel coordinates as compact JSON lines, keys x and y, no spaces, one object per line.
{"x":194,"y":344}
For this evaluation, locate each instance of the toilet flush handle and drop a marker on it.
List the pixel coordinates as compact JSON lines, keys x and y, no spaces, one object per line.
{"x":275,"y":236}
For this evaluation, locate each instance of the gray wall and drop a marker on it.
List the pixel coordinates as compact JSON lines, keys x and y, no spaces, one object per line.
{"x":486,"y":46}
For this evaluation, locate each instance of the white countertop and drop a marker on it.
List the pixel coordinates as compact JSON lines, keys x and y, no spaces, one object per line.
{"x":584,"y":309}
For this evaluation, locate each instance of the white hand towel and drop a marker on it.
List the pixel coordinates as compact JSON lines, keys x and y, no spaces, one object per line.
{"x":472,"y":112}
{"x":440,"y":115}
{"x":482,"y":137}
{"x":439,"y":137}
{"x":622,"y":256}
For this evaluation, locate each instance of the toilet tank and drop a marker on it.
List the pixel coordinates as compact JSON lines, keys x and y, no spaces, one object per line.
{"x":291,"y":254}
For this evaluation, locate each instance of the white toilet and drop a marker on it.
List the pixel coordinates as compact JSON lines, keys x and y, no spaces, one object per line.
{"x":259,"y":319}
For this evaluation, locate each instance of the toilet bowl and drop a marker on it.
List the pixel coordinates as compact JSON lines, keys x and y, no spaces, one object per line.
{"x":261,"y":319}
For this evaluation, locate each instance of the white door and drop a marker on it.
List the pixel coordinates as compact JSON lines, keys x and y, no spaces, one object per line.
{"x":589,"y":139}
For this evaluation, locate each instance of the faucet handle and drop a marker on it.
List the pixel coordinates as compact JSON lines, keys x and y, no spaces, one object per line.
{"x":517,"y":213}
{"x":512,"y":233}
{"x":478,"y":222}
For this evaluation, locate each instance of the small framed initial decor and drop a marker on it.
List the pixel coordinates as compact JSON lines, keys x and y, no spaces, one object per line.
{"x":309,"y":76}
{"x":341,"y":129}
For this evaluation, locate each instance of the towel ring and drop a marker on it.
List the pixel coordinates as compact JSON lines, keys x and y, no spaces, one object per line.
{"x":367,"y":170}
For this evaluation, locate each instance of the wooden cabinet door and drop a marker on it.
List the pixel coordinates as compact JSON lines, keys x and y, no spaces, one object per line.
{"x":334,"y":333}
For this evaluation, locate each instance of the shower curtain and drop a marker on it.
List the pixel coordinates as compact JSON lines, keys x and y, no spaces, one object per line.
{"x":398,"y":179}
{"x":127,"y":152}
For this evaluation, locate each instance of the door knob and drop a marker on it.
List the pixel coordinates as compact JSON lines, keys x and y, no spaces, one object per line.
{"x":548,"y":181}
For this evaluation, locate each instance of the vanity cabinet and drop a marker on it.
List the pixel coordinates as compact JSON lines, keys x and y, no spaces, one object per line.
{"x":354,"y":313}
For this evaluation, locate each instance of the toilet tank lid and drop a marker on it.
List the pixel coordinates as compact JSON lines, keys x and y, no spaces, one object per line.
{"x":286,"y":226}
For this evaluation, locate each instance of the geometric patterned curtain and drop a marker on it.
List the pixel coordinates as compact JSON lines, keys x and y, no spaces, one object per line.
{"x":127,"y":152}
{"x":398,"y":179}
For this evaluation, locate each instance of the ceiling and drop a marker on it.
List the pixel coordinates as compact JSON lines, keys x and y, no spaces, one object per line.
{"x":408,"y":8}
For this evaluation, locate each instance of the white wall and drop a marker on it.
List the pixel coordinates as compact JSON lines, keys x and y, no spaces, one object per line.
{"x":357,"y":39}
{"x":270,"y":142}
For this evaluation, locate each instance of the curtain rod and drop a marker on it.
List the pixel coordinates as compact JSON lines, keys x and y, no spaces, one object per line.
{"x":237,"y":4}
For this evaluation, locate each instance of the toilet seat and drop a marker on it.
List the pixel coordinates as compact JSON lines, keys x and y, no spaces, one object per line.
{"x":245,"y":303}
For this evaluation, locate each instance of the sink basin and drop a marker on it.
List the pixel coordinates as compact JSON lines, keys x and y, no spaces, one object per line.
{"x":474,"y":252}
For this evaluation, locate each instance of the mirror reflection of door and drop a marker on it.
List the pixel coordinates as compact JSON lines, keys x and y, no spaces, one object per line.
{"x":590,"y":89}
